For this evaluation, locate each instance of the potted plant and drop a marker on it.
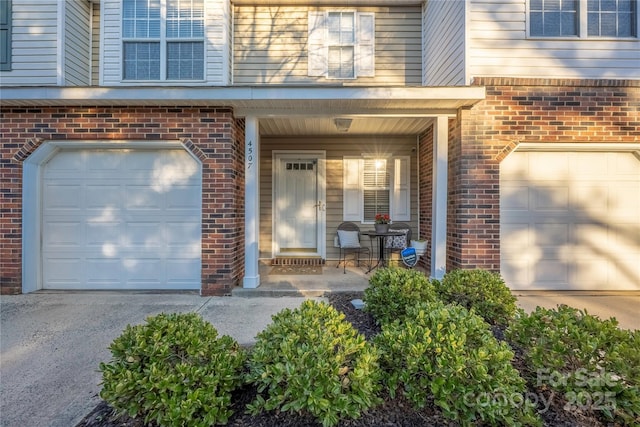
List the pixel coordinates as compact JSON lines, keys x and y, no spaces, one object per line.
{"x":382,"y":223}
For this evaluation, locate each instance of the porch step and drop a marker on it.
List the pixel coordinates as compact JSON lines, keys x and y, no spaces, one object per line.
{"x":297,"y":261}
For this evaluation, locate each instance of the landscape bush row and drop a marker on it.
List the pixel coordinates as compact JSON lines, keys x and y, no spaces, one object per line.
{"x":436,"y":345}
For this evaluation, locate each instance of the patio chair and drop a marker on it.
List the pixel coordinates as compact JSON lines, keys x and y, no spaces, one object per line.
{"x":349,"y":242}
{"x":398,"y":243}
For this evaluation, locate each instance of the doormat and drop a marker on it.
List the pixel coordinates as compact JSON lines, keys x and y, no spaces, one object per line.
{"x":296,"y":269}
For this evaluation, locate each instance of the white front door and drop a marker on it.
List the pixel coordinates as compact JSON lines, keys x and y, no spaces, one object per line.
{"x":299,"y":204}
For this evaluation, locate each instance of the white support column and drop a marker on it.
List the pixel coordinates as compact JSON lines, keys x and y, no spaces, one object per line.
{"x":439,"y":228}
{"x":252,"y":204}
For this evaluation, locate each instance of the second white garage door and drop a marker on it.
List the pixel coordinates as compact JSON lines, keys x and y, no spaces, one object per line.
{"x":570,"y":220}
{"x":121,"y":219}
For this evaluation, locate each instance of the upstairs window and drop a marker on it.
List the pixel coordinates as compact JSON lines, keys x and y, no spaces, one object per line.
{"x":551,"y":18}
{"x":583,"y":18}
{"x":611,"y":18}
{"x":341,"y":45}
{"x":163,"y":39}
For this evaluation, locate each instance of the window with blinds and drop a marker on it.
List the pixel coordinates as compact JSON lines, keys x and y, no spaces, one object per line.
{"x":163,"y":39}
{"x":592,"y":18}
{"x":376,"y":185}
{"x":376,"y":188}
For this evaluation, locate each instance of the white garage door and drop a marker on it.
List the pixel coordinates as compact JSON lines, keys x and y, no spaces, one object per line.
{"x":570,"y":220}
{"x":121,"y":219}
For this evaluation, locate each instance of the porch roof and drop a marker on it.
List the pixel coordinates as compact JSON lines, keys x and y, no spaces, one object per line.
{"x":282,"y":110}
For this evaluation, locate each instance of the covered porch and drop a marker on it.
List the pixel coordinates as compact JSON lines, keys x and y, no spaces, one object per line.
{"x":334,"y":135}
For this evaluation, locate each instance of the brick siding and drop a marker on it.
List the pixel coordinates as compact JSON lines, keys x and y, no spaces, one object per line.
{"x":425,"y":187}
{"x":517,"y":111}
{"x":211,"y":134}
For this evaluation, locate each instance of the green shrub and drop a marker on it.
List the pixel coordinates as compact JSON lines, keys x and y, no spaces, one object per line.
{"x":481,"y":291}
{"x":392,"y":290}
{"x":173,"y":371}
{"x":312,"y":360}
{"x":446,"y":353}
{"x":593,"y":362}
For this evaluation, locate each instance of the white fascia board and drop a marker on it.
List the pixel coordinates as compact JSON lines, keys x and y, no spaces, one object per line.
{"x":238,"y":97}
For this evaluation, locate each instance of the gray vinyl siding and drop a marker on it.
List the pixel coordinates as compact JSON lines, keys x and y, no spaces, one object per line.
{"x":34,"y":58}
{"x":95,"y":45}
{"x":217,"y":37}
{"x":271,"y":46}
{"x":499,"y":47}
{"x":444,"y":43}
{"x":77,"y":43}
{"x":336,"y":149}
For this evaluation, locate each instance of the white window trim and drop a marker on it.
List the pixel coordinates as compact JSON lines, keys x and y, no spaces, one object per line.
{"x":582,"y":25}
{"x":164,"y":40}
{"x":353,"y":188}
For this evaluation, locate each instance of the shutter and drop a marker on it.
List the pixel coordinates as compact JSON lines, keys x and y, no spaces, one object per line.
{"x":365,"y":56}
{"x":317,"y":50}
{"x":352,"y":189}
{"x":401,"y":205}
{"x":5,"y":35}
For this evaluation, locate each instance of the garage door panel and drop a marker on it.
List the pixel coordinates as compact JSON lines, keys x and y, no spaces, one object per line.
{"x":625,"y":200}
{"x":63,"y":271}
{"x":592,"y":197}
{"x":99,"y":231}
{"x":540,"y":166}
{"x":63,"y":234}
{"x":144,"y":270}
{"x":144,"y":235}
{"x":62,"y":163}
{"x":550,"y":199}
{"x":103,"y":271}
{"x":62,"y":197}
{"x":625,"y":238}
{"x":583,"y":220}
{"x":101,"y":196}
{"x":586,"y":165}
{"x":624,"y":270}
{"x":142,"y":197}
{"x":515,"y":236}
{"x":104,"y":161}
{"x":107,"y":225}
{"x":182,"y":270}
{"x":592,"y":272}
{"x":551,"y":271}
{"x":177,"y":197}
{"x":625,"y":166}
{"x":550,"y":235}
{"x":518,"y":197}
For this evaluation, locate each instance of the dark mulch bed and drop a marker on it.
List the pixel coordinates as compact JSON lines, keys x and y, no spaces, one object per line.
{"x":393,"y":412}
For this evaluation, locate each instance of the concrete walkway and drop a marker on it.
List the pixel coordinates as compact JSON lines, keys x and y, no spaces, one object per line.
{"x":51,"y":343}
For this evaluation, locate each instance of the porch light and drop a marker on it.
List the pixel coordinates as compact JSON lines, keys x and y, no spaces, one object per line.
{"x":342,"y":124}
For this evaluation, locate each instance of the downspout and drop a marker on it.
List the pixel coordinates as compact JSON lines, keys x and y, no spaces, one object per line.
{"x":90,"y":58}
{"x":417,"y":150}
{"x":60,"y":43}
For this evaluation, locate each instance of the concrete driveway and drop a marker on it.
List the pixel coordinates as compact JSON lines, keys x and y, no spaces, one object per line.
{"x":51,"y":343}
